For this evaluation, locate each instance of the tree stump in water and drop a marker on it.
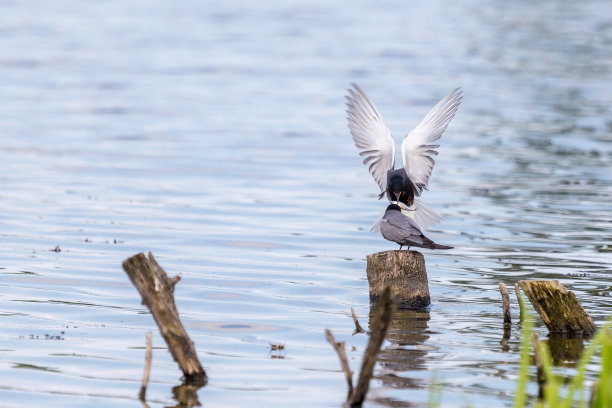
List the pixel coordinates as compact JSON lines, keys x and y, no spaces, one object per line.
{"x":404,"y":272}
{"x":559,"y":309}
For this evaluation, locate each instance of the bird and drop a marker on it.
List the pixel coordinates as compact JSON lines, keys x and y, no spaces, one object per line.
{"x":402,"y":230}
{"x":373,"y":139}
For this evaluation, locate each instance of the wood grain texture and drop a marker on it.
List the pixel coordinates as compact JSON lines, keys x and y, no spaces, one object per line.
{"x":558,"y":308}
{"x":157,"y":292}
{"x":404,"y":272}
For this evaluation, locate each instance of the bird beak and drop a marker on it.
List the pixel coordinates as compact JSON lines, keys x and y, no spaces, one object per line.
{"x":397,"y":195}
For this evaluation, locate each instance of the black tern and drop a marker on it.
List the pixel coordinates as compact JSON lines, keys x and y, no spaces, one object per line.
{"x":374,"y":141}
{"x":402,"y":230}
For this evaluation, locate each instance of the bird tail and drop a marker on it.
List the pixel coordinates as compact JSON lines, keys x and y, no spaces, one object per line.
{"x":428,"y":243}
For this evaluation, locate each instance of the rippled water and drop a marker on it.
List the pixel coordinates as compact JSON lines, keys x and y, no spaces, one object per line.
{"x":214,"y":136}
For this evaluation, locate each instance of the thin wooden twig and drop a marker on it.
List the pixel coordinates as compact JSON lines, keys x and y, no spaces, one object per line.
{"x":358,"y":328}
{"x":147,"y":368}
{"x":380,"y":322}
{"x":339,"y":347}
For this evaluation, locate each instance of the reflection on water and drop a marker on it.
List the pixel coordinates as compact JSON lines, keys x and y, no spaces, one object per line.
{"x":408,"y":333}
{"x":186,"y":395}
{"x":564,"y":349}
{"x":214,"y":136}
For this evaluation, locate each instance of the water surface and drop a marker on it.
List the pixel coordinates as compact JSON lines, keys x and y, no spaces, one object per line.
{"x":214,"y":136}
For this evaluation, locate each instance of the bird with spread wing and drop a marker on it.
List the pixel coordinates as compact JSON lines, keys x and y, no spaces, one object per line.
{"x":374,"y":141}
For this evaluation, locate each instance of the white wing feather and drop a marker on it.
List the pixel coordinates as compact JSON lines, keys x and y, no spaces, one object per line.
{"x":371,"y":135}
{"x":419,"y":145}
{"x":424,"y":216}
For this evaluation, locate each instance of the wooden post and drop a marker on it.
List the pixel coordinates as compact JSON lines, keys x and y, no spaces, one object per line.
{"x":505,"y":304}
{"x":507,"y":318}
{"x":157,"y":292}
{"x":558,"y":308}
{"x":404,"y":272}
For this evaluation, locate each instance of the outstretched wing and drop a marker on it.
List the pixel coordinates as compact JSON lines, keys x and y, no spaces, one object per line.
{"x":424,"y":216}
{"x":419,"y":145}
{"x":371,"y":135}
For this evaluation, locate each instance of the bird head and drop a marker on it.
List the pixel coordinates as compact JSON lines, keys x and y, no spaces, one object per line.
{"x":396,"y":184}
{"x":394,"y":207}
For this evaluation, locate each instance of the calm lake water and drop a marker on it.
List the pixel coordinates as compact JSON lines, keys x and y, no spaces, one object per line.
{"x":214,"y":136}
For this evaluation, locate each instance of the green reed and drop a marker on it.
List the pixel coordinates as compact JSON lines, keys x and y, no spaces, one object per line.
{"x":558,"y":393}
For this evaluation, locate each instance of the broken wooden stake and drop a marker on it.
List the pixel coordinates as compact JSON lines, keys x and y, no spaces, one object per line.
{"x":558,"y":308}
{"x":147,"y":368}
{"x":358,"y":328}
{"x":404,"y":272}
{"x":505,"y":304}
{"x":507,"y":318}
{"x":157,"y":292}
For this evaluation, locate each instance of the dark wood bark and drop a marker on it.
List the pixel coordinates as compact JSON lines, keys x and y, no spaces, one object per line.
{"x":505,"y":304}
{"x":507,"y":318}
{"x":157,"y":292}
{"x":404,"y":272}
{"x":558,"y":308}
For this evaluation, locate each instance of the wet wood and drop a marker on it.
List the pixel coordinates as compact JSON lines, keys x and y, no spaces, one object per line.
{"x":147,"y":368}
{"x":507,"y":318}
{"x":505,"y":304}
{"x":157,"y":292}
{"x":339,"y":347}
{"x":558,"y":308}
{"x":404,"y":272}
{"x":378,"y":330}
{"x":358,"y":328}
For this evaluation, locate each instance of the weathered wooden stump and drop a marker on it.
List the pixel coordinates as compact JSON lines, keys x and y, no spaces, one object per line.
{"x":404,"y":272}
{"x":558,"y":308}
{"x":157,"y":292}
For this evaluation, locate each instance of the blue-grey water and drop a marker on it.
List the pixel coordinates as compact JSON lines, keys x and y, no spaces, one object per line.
{"x":213,"y":134}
